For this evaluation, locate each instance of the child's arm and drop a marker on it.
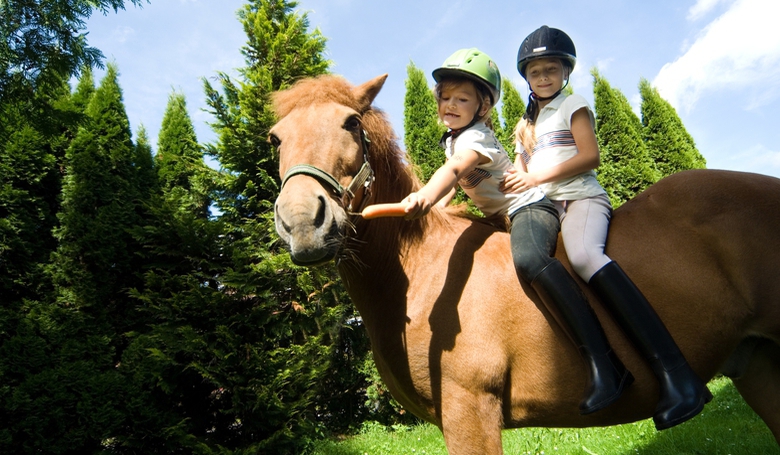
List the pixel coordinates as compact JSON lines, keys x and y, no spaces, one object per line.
{"x":445,"y":201}
{"x":587,"y":158}
{"x":442,"y":182}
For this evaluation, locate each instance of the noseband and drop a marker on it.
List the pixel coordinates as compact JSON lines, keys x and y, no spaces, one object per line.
{"x":362,"y":180}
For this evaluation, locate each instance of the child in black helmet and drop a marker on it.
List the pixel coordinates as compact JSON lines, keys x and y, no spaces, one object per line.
{"x":478,"y":162}
{"x":557,"y":151}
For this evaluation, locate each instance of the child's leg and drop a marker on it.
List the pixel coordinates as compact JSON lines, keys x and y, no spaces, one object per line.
{"x":584,"y":226}
{"x":534,"y":235}
{"x":682,"y":392}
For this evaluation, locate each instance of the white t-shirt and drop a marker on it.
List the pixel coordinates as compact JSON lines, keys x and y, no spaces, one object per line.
{"x":555,"y":144}
{"x":481,"y":184}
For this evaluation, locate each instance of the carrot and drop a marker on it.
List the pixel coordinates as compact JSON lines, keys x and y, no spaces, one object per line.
{"x":383,"y":210}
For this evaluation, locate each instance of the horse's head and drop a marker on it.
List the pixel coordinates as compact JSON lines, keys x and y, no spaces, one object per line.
{"x":322,"y":151}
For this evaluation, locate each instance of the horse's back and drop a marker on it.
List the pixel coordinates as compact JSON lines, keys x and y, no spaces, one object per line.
{"x":704,"y":245}
{"x":733,"y":214}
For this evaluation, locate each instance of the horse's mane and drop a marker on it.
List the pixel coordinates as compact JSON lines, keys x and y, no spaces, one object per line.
{"x":318,"y":90}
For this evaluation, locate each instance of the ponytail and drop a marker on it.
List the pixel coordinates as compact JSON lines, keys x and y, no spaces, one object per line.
{"x":525,"y":135}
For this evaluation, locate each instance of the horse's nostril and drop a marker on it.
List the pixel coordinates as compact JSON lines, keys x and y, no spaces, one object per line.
{"x":319,"y":219}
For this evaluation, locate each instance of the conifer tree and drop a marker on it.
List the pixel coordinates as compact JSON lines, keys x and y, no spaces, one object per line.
{"x":668,"y":142}
{"x":178,"y":152}
{"x":98,"y":201}
{"x":84,"y":90}
{"x":498,"y":127}
{"x":143,"y":161}
{"x":68,"y":398}
{"x":512,"y":110}
{"x":180,"y":300}
{"x":422,"y":129}
{"x":279,"y":51}
{"x":626,"y":167}
{"x":179,"y":159}
{"x":286,"y":321}
{"x":26,"y":167}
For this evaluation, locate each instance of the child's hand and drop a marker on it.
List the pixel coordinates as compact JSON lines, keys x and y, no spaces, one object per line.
{"x":517,"y":181}
{"x":417,"y":206}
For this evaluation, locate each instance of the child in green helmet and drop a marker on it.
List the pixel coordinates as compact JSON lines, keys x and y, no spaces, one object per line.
{"x":557,"y":151}
{"x":468,"y":86}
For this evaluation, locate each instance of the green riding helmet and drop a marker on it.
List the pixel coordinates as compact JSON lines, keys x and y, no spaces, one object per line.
{"x":475,"y":65}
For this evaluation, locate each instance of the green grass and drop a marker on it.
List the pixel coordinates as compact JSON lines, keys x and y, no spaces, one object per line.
{"x":727,"y":426}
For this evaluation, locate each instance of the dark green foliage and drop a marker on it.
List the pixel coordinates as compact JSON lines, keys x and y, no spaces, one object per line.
{"x":179,"y":161}
{"x":27,"y":208}
{"x":668,"y":142}
{"x":34,"y":133}
{"x":84,"y":90}
{"x":99,"y":201}
{"x":421,"y":124}
{"x":626,"y":167}
{"x":292,"y":318}
{"x":61,"y":389}
{"x":143,"y":162}
{"x":178,"y":152}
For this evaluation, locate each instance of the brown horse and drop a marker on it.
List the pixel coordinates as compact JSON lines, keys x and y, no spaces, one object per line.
{"x":463,"y":343}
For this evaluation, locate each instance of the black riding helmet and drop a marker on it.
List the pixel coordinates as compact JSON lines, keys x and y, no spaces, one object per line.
{"x":546,"y":42}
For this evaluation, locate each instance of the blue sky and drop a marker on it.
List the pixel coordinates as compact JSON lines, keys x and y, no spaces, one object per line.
{"x":716,"y":61}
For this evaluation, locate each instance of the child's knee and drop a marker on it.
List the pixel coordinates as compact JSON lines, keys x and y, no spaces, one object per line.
{"x":528,"y":266}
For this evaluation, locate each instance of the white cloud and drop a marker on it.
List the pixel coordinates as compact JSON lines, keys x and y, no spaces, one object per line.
{"x":604,"y":64}
{"x":448,"y":19}
{"x":738,"y":53}
{"x":702,"y":7}
{"x":123,"y":33}
{"x":758,"y":158}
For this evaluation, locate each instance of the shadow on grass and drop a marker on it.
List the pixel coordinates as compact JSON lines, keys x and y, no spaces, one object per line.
{"x":727,"y":426}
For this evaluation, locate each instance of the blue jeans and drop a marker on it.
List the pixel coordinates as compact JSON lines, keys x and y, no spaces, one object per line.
{"x":534,"y":236}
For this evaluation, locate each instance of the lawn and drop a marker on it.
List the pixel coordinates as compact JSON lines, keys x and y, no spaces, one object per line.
{"x":727,"y":426}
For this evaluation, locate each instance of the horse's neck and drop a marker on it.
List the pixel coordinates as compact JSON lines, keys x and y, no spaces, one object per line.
{"x":386,"y":255}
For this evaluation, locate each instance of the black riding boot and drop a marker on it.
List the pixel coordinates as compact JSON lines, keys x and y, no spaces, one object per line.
{"x":683,"y":394}
{"x":564,"y":299}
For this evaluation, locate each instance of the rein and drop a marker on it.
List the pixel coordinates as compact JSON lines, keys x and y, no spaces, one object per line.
{"x":362,"y":180}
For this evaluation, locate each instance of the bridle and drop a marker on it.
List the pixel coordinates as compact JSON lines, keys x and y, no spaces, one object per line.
{"x":348,"y":196}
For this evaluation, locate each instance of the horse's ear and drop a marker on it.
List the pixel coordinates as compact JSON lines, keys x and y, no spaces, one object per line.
{"x":367,"y":91}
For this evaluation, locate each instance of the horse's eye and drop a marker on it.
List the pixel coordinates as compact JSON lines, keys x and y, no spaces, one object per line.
{"x":274,"y":140}
{"x":352,"y":124}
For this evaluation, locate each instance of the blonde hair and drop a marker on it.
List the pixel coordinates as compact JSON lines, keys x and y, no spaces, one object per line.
{"x":525,"y":135}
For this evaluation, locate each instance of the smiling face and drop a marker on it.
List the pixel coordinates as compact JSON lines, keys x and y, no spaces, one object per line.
{"x":546,"y":76}
{"x":458,"y":104}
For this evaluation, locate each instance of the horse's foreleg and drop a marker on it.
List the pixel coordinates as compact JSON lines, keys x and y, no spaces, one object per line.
{"x":760,"y":385}
{"x":471,"y":421}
